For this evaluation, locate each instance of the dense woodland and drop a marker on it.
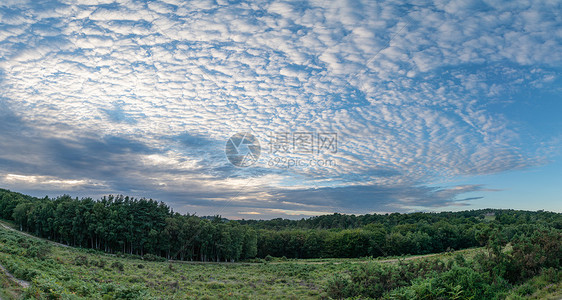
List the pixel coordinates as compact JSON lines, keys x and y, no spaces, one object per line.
{"x":146,"y":227}
{"x":128,"y":225}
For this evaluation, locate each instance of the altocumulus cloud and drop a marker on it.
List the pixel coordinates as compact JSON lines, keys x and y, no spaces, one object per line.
{"x":140,"y":97}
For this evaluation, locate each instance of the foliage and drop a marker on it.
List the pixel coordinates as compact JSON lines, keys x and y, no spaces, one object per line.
{"x":522,"y":256}
{"x":459,"y":275}
{"x":490,"y":274}
{"x":81,"y":260}
{"x":119,"y":224}
{"x":106,"y":276}
{"x":152,"y":257}
{"x":118,"y":265}
{"x":147,"y":229}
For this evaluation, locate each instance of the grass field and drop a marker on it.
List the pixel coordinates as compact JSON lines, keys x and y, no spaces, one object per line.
{"x":57,"y":272}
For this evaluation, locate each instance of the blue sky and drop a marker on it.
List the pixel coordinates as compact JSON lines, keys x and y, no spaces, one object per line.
{"x":436,"y":105}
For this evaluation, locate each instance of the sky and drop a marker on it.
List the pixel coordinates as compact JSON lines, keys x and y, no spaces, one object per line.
{"x":266,"y":109}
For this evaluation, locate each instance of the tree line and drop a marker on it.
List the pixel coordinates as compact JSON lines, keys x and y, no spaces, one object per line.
{"x":374,"y":235}
{"x":120,"y":224}
{"x":134,"y":226}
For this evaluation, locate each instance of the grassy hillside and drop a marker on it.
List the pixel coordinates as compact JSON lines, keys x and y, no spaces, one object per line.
{"x":57,"y":272}
{"x":69,"y":272}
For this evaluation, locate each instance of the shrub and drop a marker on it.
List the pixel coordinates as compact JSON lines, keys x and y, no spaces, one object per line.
{"x":81,"y":260}
{"x":526,"y":289}
{"x":44,"y":288}
{"x":118,"y":265}
{"x":338,"y":287}
{"x":432,"y":279}
{"x":152,"y":257}
{"x":40,"y":251}
{"x":214,"y":285}
{"x":80,"y":287}
{"x":100,"y":263}
{"x":136,"y":279}
{"x":24,"y":273}
{"x":111,"y":291}
{"x":131,"y":293}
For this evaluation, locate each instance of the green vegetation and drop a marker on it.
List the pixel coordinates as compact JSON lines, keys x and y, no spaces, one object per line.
{"x":147,"y":228}
{"x":140,"y":249}
{"x":392,"y":234}
{"x":128,"y":225}
{"x":527,"y":264}
{"x":8,"y":288}
{"x":71,"y":273}
{"x":66,"y":272}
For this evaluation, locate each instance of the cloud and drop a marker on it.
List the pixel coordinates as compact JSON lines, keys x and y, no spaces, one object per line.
{"x":118,"y":114}
{"x":141,"y":97}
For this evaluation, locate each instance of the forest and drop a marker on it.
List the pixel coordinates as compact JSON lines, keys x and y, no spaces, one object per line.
{"x":144,"y":227}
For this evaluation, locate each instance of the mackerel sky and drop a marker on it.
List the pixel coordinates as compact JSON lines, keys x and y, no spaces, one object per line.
{"x":433,"y":105}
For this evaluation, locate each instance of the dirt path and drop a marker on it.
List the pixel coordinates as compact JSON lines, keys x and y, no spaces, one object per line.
{"x":407,"y":258}
{"x":305,"y":262}
{"x":392,"y":260}
{"x":24,"y":284}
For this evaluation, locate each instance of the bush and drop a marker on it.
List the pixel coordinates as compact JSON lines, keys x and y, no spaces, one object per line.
{"x":44,"y":288}
{"x":424,"y":279}
{"x":100,"y":263}
{"x":24,"y":273}
{"x":23,"y":243}
{"x":118,"y":265}
{"x":525,"y":257}
{"x":131,"y":293}
{"x":338,"y":287}
{"x":214,"y":285}
{"x":490,"y":275}
{"x":80,"y":288}
{"x":81,"y":260}
{"x":40,"y":251}
{"x":128,"y":256}
{"x":111,"y":291}
{"x":152,"y":257}
{"x":369,"y":280}
{"x":526,"y":289}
